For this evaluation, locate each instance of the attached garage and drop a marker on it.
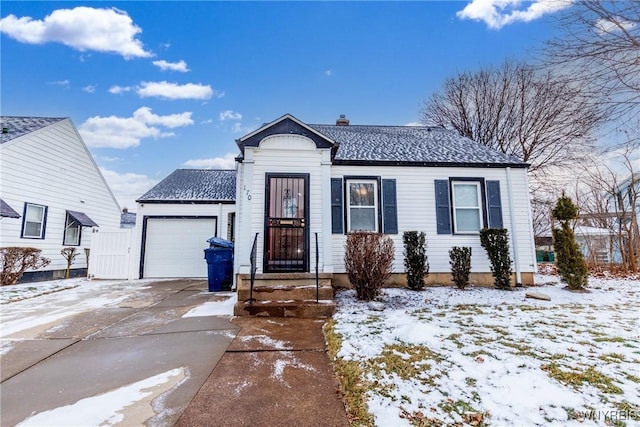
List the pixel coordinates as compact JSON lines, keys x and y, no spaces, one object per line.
{"x":177,"y":216}
{"x":173,"y":247}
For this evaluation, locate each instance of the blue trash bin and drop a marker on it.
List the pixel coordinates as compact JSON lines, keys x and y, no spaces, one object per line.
{"x":219,"y":256}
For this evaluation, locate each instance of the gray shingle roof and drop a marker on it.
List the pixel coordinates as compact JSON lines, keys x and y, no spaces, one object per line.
{"x":7,"y":211}
{"x":410,"y":144}
{"x":127,"y":219}
{"x":192,"y":185}
{"x":18,"y":126}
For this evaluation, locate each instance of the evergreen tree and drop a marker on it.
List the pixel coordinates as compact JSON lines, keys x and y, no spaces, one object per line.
{"x":569,"y":259}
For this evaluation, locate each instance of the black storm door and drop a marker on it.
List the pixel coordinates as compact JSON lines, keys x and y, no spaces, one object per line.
{"x":286,"y":223}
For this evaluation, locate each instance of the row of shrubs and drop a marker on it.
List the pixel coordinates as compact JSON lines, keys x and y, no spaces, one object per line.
{"x":369,"y":257}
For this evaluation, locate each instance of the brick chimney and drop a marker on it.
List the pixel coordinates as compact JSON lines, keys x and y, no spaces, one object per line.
{"x":342,"y":121}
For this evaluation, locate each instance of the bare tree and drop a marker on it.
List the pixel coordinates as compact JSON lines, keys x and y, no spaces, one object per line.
{"x":599,"y":45}
{"x":611,"y":200}
{"x":538,"y":117}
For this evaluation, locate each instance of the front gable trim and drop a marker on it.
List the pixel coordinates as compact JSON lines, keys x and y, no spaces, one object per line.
{"x":285,"y":125}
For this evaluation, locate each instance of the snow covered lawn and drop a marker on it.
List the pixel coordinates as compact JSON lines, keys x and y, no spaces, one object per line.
{"x":488,"y":357}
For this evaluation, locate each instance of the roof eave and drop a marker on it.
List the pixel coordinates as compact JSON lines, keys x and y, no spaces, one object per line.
{"x":429,"y":164}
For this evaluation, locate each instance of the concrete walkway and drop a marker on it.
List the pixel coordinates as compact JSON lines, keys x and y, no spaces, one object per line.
{"x":267,"y":371}
{"x":275,"y":372}
{"x":97,"y":356}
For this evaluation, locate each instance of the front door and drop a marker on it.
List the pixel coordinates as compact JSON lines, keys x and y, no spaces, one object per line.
{"x":286,"y":223}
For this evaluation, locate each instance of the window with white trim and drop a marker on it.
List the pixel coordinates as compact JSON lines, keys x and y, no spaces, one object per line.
{"x":362,"y":205}
{"x":467,"y":206}
{"x":34,"y":221}
{"x":72,"y":230}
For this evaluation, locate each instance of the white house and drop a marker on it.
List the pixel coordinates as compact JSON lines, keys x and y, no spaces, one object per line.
{"x":52,"y":193}
{"x":298,"y":187}
{"x":296,"y":181}
{"x":176,"y":217}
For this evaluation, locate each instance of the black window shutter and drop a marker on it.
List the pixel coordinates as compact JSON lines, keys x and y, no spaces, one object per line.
{"x":390,"y":206}
{"x":494,"y":204}
{"x":443,"y":209}
{"x":336,"y":206}
{"x":44,"y":221}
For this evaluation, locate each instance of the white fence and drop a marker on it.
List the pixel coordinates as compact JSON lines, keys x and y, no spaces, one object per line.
{"x":110,"y":255}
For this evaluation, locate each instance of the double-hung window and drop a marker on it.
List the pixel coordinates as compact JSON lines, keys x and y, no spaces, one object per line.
{"x":362,"y":210}
{"x":33,"y":224}
{"x":72,"y":230}
{"x":466,"y":205}
{"x":363,"y":203}
{"x":467,"y":208}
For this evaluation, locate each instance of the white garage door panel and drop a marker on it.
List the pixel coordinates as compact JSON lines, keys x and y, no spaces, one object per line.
{"x":174,"y":246}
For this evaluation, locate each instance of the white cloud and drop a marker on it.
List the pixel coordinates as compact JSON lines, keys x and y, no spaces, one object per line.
{"x":180,"y":66}
{"x":238,"y":128}
{"x":64,"y":83}
{"x":605,"y":26}
{"x":125,"y":132}
{"x":414,"y":124}
{"x":82,"y":28}
{"x":127,"y":187}
{"x":498,"y":13}
{"x":174,"y":91}
{"x":119,"y":89}
{"x":328,"y":73}
{"x":230,"y":115}
{"x":89,"y":89}
{"x":226,"y":162}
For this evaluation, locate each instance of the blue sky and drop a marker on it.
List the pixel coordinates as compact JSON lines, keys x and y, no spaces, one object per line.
{"x":156,"y":86}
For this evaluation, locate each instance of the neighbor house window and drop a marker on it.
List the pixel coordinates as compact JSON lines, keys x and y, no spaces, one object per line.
{"x":467,"y":208}
{"x":34,"y":221}
{"x":362,"y":210}
{"x":72,"y":229}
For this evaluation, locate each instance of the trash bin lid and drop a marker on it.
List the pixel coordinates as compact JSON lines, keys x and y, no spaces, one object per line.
{"x":219,"y":242}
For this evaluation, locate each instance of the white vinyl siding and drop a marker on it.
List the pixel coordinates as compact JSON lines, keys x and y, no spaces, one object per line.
{"x":34,"y":217}
{"x":467,"y":208}
{"x":281,"y":154}
{"x":362,"y":205}
{"x":52,"y":167}
{"x":415,"y":193}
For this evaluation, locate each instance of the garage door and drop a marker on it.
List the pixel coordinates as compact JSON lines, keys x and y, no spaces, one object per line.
{"x":174,"y":246}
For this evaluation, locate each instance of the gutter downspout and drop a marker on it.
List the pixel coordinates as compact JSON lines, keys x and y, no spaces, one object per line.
{"x":514,"y":238}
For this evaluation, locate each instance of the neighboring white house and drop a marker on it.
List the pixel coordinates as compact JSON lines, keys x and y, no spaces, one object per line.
{"x":176,"y":217}
{"x":53,"y":194}
{"x":296,"y":181}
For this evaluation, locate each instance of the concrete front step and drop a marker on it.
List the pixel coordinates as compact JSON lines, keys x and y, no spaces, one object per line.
{"x":290,"y":308}
{"x":285,"y":292}
{"x":282,"y":279}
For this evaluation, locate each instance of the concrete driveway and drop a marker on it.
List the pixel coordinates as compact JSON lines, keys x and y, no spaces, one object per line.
{"x":123,"y":351}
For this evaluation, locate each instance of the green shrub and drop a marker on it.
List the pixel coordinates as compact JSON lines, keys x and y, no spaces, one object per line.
{"x":496,"y":242}
{"x":16,"y":260}
{"x":415,"y":258}
{"x":569,"y":259}
{"x":460,"y":260}
{"x":368,"y":260}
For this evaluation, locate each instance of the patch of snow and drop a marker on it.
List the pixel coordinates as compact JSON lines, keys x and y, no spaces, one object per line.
{"x":215,"y":308}
{"x":105,"y":409}
{"x":266,"y":341}
{"x":491,"y":350}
